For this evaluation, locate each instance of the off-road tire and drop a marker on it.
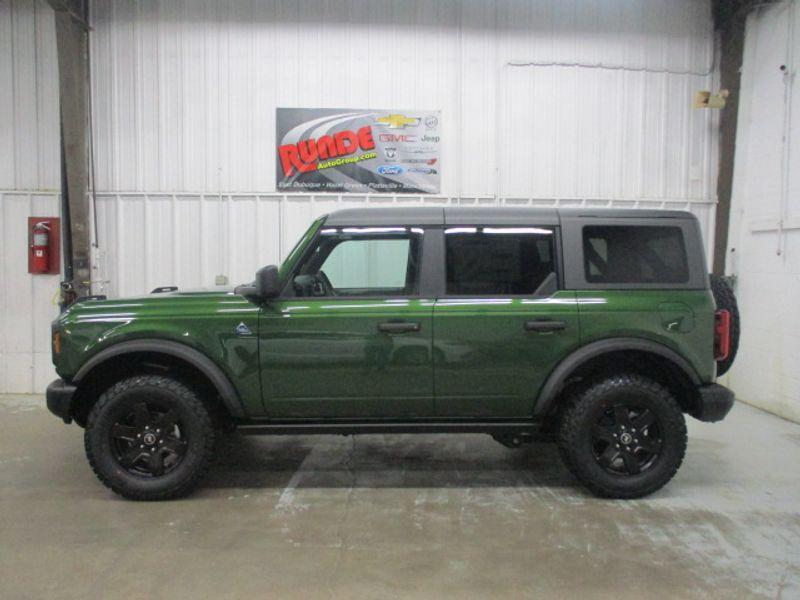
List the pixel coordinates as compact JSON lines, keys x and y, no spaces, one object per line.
{"x":725,"y":299}
{"x":575,"y":440}
{"x":194,"y":419}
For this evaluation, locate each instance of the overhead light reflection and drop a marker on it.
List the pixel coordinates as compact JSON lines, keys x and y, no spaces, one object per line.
{"x":528,"y":230}
{"x":374,"y":230}
{"x":461,"y":230}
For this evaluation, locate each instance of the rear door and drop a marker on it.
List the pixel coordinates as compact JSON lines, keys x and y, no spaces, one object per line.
{"x":502,"y":323}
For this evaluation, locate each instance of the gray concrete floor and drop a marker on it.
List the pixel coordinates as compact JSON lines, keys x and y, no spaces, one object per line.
{"x":401,"y":516}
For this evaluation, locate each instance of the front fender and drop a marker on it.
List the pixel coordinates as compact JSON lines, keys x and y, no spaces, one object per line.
{"x":185,"y":353}
{"x":221,"y":327}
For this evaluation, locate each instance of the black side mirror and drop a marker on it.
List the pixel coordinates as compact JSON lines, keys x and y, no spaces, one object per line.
{"x":267,"y":282}
{"x":265,"y":287}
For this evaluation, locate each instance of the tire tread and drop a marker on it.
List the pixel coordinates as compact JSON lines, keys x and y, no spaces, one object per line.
{"x":576,"y":413}
{"x":192,"y":402}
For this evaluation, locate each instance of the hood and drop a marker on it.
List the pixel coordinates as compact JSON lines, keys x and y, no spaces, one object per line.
{"x":164,"y":304}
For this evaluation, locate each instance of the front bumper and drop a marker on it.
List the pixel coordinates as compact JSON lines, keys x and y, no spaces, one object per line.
{"x":714,"y":402}
{"x":59,"y":399}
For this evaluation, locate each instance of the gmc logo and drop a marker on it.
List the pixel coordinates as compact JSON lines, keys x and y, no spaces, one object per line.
{"x":396,"y":137}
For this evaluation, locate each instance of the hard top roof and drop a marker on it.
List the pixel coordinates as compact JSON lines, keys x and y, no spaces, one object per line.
{"x":494,"y":215}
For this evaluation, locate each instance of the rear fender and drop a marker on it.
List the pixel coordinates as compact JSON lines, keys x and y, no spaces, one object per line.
{"x":557,"y":380}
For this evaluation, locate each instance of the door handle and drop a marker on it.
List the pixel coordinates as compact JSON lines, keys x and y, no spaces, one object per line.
{"x":398,"y":327}
{"x":544,"y":326}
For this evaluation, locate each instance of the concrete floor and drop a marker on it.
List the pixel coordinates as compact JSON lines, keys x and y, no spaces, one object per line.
{"x":401,"y":516}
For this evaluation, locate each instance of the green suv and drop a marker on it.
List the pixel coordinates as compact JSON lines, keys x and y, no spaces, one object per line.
{"x":596,"y":328}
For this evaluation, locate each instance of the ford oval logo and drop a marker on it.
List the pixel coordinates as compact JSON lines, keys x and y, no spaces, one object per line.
{"x":390,"y":170}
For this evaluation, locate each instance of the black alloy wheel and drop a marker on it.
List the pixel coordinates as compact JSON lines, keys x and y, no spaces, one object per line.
{"x":148,"y":441}
{"x":626,"y":440}
{"x":150,"y":437}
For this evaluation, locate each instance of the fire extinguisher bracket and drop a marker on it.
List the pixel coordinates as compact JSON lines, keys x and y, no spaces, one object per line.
{"x":44,"y":245}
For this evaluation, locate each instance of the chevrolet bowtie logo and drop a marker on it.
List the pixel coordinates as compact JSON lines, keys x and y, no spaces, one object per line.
{"x":397,"y":121}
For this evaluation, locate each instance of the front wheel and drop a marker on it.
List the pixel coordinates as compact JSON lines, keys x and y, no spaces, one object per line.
{"x":149,"y":437}
{"x":623,"y":437}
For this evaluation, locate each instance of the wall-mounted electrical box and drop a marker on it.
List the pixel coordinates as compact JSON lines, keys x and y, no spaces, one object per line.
{"x":44,"y":245}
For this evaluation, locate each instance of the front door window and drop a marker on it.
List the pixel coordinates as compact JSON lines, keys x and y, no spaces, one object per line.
{"x":361,"y":262}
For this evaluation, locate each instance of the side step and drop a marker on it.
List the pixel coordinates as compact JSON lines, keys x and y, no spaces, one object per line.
{"x":366,"y":427}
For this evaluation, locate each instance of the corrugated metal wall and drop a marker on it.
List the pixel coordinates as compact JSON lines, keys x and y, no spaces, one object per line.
{"x":29,"y":177}
{"x":185,"y":96}
{"x":764,"y":241}
{"x":185,"y":92}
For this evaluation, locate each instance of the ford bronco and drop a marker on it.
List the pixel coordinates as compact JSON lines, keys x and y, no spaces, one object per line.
{"x":599,"y":329}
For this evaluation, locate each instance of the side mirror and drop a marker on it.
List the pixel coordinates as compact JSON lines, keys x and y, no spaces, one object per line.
{"x":265,"y":287}
{"x":267,"y":282}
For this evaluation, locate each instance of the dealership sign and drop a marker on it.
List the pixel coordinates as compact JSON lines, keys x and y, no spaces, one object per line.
{"x":361,"y":151}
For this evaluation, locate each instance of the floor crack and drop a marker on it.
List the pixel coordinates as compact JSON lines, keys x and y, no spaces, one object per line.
{"x":341,"y":530}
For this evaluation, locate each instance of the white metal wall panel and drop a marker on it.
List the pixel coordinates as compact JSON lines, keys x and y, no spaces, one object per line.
{"x":185,"y":95}
{"x":27,"y":304}
{"x":29,"y":178}
{"x":764,"y":241}
{"x":186,"y":91}
{"x":28,"y":97}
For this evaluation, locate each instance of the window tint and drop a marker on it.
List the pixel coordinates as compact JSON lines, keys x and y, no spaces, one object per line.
{"x":368,"y":263}
{"x":498,"y":260}
{"x":634,"y":254}
{"x":361,"y":262}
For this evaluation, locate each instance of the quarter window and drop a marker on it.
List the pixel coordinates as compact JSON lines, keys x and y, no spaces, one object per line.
{"x":503,"y":261}
{"x":634,"y":254}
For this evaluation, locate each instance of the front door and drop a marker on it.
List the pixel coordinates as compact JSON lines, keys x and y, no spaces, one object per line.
{"x":351,"y":336}
{"x":503,"y":324}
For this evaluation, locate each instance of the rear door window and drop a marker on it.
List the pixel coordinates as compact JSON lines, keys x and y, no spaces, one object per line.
{"x":634,"y":254}
{"x":498,"y":261}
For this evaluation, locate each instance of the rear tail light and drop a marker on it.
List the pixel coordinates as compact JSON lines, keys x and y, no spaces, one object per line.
{"x":722,"y":334}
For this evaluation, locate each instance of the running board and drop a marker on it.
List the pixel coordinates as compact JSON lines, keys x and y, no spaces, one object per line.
{"x":366,"y":427}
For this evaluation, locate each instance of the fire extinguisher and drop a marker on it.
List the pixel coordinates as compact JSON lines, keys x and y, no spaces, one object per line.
{"x":41,"y":247}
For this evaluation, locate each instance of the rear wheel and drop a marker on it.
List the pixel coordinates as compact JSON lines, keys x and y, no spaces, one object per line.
{"x":149,"y":438}
{"x":623,"y":437}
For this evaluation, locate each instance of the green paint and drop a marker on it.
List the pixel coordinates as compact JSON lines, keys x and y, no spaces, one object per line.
{"x":326,"y":357}
{"x":486,"y":363}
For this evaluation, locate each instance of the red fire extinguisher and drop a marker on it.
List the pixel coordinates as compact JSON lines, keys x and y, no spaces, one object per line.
{"x":40,"y":248}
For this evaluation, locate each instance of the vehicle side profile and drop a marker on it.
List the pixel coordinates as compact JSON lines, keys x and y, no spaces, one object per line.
{"x":600,"y":329}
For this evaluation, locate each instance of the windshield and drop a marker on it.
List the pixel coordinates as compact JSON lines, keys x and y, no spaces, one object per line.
{"x":299,"y":248}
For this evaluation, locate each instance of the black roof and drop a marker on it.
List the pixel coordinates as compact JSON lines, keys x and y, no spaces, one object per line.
{"x":494,"y":215}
